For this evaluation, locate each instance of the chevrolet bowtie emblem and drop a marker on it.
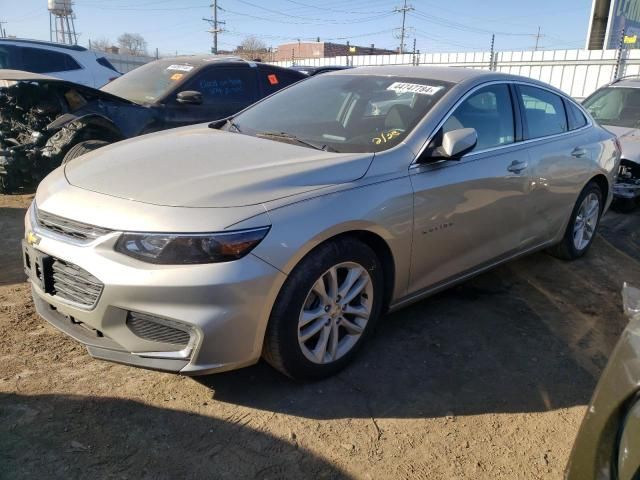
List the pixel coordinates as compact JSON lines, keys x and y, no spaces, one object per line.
{"x":32,"y":239}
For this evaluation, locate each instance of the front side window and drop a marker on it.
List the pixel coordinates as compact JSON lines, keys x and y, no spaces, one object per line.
{"x":490,"y":112}
{"x":615,"y":106}
{"x":345,"y":113}
{"x":543,"y":112}
{"x":229,"y":85}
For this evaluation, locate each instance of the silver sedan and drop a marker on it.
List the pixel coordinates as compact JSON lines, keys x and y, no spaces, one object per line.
{"x":288,"y":230}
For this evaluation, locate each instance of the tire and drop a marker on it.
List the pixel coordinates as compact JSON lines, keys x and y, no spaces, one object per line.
{"x":82,"y":148}
{"x":572,"y":247}
{"x":285,"y":347}
{"x":624,"y":205}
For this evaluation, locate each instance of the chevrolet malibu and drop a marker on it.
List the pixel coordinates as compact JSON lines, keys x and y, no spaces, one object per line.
{"x":287,"y":230}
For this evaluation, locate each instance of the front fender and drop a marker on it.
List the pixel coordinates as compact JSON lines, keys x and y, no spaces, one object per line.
{"x":72,"y":129}
{"x":384,"y":209}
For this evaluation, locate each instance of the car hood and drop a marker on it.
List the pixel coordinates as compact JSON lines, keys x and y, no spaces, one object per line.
{"x":9,"y":77}
{"x":629,"y":140}
{"x":201,"y":167}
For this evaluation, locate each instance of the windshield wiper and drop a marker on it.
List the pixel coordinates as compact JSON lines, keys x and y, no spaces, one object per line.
{"x":287,"y":137}
{"x":218,"y":124}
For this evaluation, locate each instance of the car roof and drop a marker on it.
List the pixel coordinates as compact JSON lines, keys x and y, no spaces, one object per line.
{"x":76,"y":48}
{"x":455,"y":75}
{"x":203,"y":60}
{"x":631,"y":82}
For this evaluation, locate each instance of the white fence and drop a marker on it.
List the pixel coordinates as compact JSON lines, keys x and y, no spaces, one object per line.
{"x":576,"y":72}
{"x":125,"y":63}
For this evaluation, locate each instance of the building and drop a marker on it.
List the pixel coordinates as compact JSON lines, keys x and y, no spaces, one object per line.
{"x":609,"y":19}
{"x":299,"y":50}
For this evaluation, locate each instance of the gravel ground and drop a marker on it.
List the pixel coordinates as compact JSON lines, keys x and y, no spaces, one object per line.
{"x":487,"y":380}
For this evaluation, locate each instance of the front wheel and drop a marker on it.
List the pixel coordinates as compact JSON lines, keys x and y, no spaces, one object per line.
{"x":325,"y":311}
{"x":583,"y":224}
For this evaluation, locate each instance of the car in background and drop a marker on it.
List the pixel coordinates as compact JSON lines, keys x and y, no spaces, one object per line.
{"x":617,"y":108}
{"x":289,"y":229}
{"x":68,"y":62}
{"x":45,"y":121}
{"x":311,"y":71}
{"x":608,"y":444}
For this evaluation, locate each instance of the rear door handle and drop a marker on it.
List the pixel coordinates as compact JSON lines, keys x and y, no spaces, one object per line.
{"x":517,"y":167}
{"x":578,"y":152}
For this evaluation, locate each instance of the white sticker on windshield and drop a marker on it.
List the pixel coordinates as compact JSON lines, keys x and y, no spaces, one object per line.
{"x":180,"y":68}
{"x":402,"y":87}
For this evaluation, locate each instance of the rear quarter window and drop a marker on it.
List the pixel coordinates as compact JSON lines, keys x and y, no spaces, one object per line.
{"x":38,"y":60}
{"x":575,"y":116}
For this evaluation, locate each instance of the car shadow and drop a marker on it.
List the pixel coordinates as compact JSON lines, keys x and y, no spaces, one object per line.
{"x":532,"y":335}
{"x":11,"y":233}
{"x":57,"y":436}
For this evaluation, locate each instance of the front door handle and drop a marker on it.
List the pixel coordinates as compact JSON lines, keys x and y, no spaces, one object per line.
{"x":578,"y":152}
{"x":517,"y":167}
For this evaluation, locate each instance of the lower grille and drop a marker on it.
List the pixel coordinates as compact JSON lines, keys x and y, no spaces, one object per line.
{"x":74,"y":284}
{"x":148,"y":328}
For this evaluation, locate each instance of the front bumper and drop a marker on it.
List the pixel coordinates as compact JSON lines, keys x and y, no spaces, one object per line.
{"x":225,"y":307}
{"x":626,"y":190}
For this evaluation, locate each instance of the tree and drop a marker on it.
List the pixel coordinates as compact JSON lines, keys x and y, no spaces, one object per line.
{"x":101,"y":44}
{"x":252,"y":48}
{"x":133,"y":44}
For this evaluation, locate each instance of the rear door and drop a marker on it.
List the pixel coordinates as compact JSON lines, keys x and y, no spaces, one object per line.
{"x":471,"y":212}
{"x":271,"y":79}
{"x":560,"y":152}
{"x":225,"y":90}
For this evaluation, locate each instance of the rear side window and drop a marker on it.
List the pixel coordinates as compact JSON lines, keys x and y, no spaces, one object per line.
{"x":576,"y":117}
{"x":44,"y":61}
{"x":233,"y":85}
{"x":544,"y":112}
{"x":489,"y":111}
{"x":272,"y":80}
{"x":106,"y":63}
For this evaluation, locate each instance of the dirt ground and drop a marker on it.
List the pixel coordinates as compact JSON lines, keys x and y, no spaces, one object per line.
{"x":488,"y":380}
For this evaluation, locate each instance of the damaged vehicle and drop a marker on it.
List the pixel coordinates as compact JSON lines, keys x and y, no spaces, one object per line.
{"x":608,"y":444}
{"x":617,"y":108}
{"x":46,"y":121}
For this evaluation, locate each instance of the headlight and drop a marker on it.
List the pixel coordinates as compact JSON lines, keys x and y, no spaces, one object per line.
{"x":185,"y":249}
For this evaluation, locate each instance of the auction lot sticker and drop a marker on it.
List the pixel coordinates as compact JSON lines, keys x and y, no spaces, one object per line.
{"x":402,"y":87}
{"x":180,"y":68}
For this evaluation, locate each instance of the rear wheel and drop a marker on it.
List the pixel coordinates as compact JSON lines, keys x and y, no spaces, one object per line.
{"x":325,"y":311}
{"x":582,"y":225}
{"x":82,"y":148}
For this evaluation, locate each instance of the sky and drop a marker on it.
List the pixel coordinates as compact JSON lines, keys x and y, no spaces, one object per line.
{"x":176,"y":25}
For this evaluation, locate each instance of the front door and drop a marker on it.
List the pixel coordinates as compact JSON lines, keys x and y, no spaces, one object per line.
{"x":471,"y":212}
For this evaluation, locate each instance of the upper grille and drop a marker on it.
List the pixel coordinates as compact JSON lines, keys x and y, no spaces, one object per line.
{"x":145,"y":327}
{"x":74,"y":284}
{"x":69,"y":228}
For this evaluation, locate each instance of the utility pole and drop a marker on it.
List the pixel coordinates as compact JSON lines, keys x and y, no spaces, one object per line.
{"x":404,"y":9}
{"x":215,"y":26}
{"x":492,"y":57}
{"x":538,"y":36}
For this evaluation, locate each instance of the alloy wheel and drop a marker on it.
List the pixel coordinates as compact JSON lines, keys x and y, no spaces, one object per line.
{"x":586,"y":222}
{"x":335,"y":313}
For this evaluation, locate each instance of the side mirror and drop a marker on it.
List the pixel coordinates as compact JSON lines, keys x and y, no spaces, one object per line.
{"x":458,"y":142}
{"x":453,"y":146}
{"x":189,"y":97}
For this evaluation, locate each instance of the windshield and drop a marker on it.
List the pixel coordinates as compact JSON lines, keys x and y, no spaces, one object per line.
{"x":615,"y":106}
{"x":344,"y":113}
{"x":148,"y":83}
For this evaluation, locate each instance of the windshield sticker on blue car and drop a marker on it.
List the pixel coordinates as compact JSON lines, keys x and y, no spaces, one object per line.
{"x":401,"y":87}
{"x":180,"y":68}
